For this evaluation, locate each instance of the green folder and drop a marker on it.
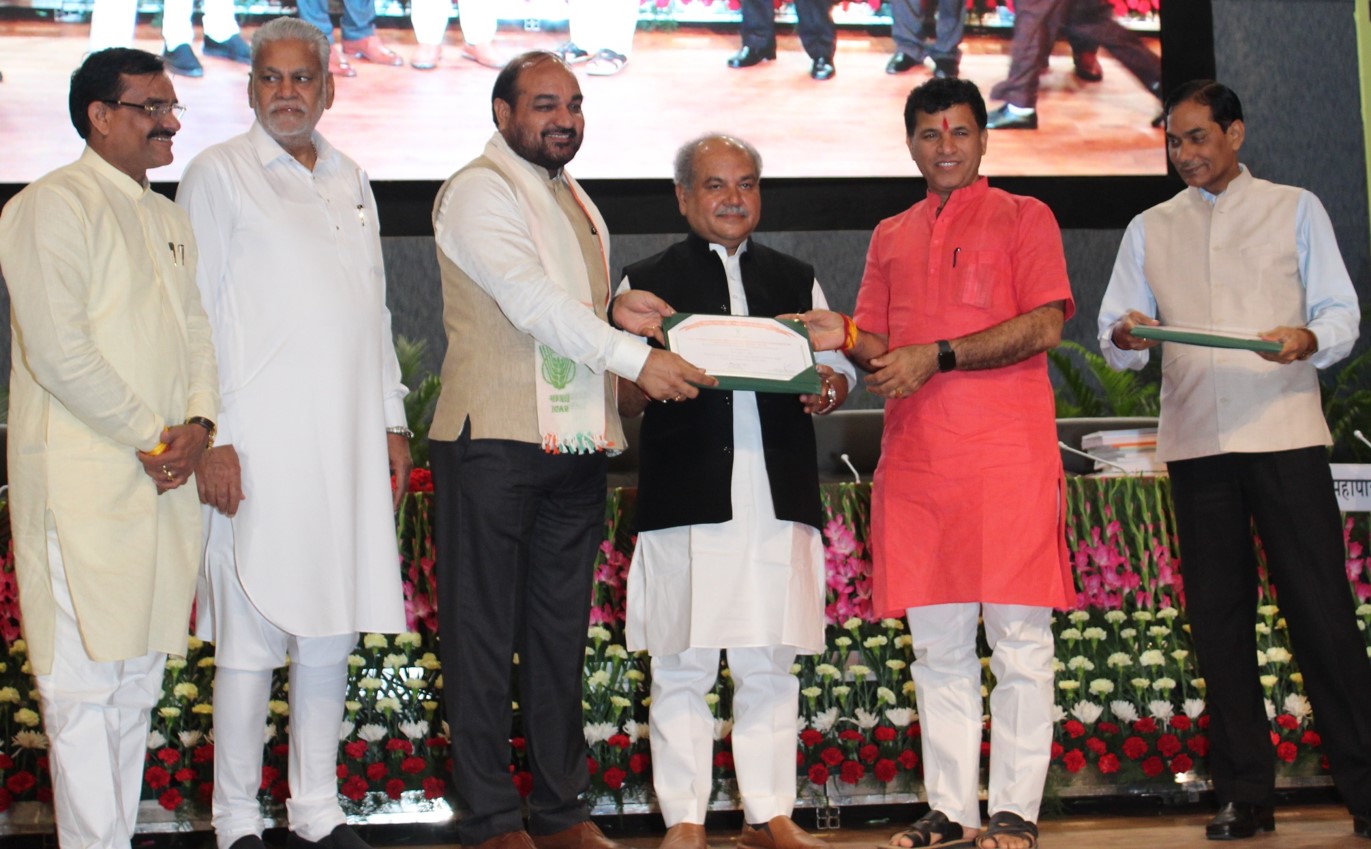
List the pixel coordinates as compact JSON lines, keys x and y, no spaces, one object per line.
{"x":1206,"y":340}
{"x":807,"y":382}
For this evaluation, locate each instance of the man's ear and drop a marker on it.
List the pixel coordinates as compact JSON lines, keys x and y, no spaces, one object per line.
{"x":1237,"y":132}
{"x":98,"y":113}
{"x":503,"y":109}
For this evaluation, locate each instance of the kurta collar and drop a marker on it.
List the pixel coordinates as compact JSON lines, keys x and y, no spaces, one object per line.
{"x":539,"y":171}
{"x":1236,"y":186}
{"x":269,"y":150}
{"x":959,"y":197}
{"x":122,"y":181}
{"x":701,"y":244}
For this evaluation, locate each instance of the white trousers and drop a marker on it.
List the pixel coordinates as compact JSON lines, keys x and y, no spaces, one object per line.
{"x":947,"y":682}
{"x":96,"y":717}
{"x":112,"y":22}
{"x":766,"y":702}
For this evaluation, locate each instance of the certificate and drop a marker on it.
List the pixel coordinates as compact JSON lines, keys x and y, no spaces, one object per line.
{"x":746,"y":352}
{"x":1204,"y":338}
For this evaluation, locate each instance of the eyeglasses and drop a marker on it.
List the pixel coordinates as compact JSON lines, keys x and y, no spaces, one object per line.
{"x":156,"y":110}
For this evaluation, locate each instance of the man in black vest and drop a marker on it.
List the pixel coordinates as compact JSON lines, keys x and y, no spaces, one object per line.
{"x":729,"y":554}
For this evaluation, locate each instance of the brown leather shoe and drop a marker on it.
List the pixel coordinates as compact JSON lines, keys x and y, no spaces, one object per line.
{"x":372,"y":50}
{"x":338,"y":63}
{"x":582,"y":835}
{"x":507,"y":840}
{"x":780,"y":833}
{"x":685,"y":835}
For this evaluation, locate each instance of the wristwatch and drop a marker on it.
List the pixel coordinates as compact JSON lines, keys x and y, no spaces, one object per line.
{"x":209,"y":427}
{"x":947,"y":358}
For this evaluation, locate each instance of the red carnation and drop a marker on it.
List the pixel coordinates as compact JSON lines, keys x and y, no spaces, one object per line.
{"x":205,"y":792}
{"x":168,"y":755}
{"x":614,"y":778}
{"x":638,"y":762}
{"x":376,"y":771}
{"x":156,"y":777}
{"x":354,"y":788}
{"x":885,"y":770}
{"x":1153,"y":766}
{"x":619,"y":741}
{"x":818,"y":774}
{"x":434,"y":787}
{"x":398,"y":744}
{"x":171,"y":800}
{"x":1146,"y":725}
{"x":1168,"y":745}
{"x":1180,"y":722}
{"x":413,"y":766}
{"x":202,"y":754}
{"x":1096,"y":745}
{"x":1134,"y":748}
{"x":1073,"y":728}
{"x":6,"y":762}
{"x":439,"y":742}
{"x":868,"y":753}
{"x":1106,"y":728}
{"x":852,"y":772}
{"x":269,"y":774}
{"x":831,"y":756}
{"x":22,"y":782}
{"x":184,"y":774}
{"x":1198,"y":745}
{"x":517,"y":743}
{"x":851,"y":736}
{"x":912,"y":730}
{"x":280,"y":791}
{"x":592,"y":765}
{"x":1108,"y":764}
{"x":394,"y":788}
{"x":281,"y":750}
{"x":1056,"y":751}
{"x":883,"y":733}
{"x":523,"y":782}
{"x":985,"y":749}
{"x":356,"y":749}
{"x":1311,"y":739}
{"x":811,"y":738}
{"x":1288,"y":722}
{"x":908,"y":759}
{"x":722,"y":760}
{"x":1275,"y":738}
{"x":1181,"y":763}
{"x":1074,"y":761}
{"x":1287,"y":751}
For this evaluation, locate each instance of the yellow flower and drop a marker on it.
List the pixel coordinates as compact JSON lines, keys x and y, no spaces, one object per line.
{"x":408,"y":640}
{"x":169,"y":712}
{"x":176,"y":664}
{"x":375,"y":641}
{"x":194,"y":643}
{"x":205,"y":662}
{"x":203,"y":709}
{"x":186,"y":690}
{"x":9,"y":695}
{"x":278,"y":707}
{"x":26,"y":717}
{"x":18,"y":647}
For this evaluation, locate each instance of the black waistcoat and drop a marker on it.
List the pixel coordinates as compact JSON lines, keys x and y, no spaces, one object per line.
{"x":686,"y":449}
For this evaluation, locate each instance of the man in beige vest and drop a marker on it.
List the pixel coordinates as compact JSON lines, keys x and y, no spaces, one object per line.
{"x":1244,"y":439}
{"x":112,"y":399}
{"x":519,"y":438}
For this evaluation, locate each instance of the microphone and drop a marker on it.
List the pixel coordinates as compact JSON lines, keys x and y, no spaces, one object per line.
{"x":856,"y":478}
{"x":1065,"y":447}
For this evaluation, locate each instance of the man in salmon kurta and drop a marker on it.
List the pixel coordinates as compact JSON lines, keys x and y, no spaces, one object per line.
{"x":962,"y":295}
{"x":301,"y":552}
{"x":111,"y":356}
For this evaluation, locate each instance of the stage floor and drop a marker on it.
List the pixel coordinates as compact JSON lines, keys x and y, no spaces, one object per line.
{"x":403,"y":124}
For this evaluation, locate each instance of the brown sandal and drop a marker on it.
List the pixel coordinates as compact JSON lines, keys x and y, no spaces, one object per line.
{"x":925,"y":828}
{"x":1007,"y":824}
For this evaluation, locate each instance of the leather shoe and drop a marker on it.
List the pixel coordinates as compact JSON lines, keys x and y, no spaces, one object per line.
{"x":1361,"y":826}
{"x":901,"y":62}
{"x":234,"y":48}
{"x":1238,"y":820}
{"x":779,"y":833}
{"x":749,"y":56}
{"x":582,"y":835}
{"x":1088,"y":66}
{"x":249,"y":841}
{"x":683,"y":835}
{"x":505,"y":840}
{"x":342,"y":837}
{"x":1003,"y":119}
{"x":822,"y":69}
{"x":372,"y":50}
{"x":945,"y":69}
{"x":338,"y":64}
{"x":182,"y":61}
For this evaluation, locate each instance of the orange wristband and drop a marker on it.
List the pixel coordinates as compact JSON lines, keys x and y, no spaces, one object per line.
{"x":849,"y":333}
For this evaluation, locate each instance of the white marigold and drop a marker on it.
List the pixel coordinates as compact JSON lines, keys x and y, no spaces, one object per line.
{"x":1297,"y":706}
{"x":1193,"y":708}
{"x":188,"y":738}
{"x":371,"y":732}
{"x":1123,"y":711}
{"x":1068,"y":686}
{"x":155,"y":740}
{"x":866,"y":720}
{"x":823,"y":720}
{"x":900,"y":717}
{"x":26,"y":739}
{"x":345,"y":729}
{"x":1160,"y":709}
{"x":598,"y":732}
{"x":414,"y":729}
{"x":1087,"y":712}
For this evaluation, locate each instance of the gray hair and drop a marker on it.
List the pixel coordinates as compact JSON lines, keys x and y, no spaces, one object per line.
{"x":290,"y":29}
{"x":684,"y":171}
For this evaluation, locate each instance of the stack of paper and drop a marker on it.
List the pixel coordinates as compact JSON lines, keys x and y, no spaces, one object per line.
{"x":1132,"y":451}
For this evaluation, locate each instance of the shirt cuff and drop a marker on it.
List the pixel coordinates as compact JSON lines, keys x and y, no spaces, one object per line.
{"x":627,"y":356}
{"x":394,"y":412}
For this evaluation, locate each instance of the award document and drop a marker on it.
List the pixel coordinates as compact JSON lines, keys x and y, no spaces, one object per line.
{"x":746,"y":352}
{"x":1204,"y":338}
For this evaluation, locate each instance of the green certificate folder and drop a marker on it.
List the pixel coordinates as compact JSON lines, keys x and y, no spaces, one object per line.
{"x":750,"y":353}
{"x":1206,"y":340}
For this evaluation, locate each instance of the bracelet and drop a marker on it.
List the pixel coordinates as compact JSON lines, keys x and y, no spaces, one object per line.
{"x":210,"y":429}
{"x":849,"y":333}
{"x":401,"y":431}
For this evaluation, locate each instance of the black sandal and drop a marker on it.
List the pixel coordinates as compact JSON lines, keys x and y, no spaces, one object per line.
{"x":930,"y":825}
{"x":1007,"y":824}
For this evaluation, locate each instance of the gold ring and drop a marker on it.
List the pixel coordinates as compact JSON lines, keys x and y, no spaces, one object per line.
{"x":167,"y":472}
{"x":680,"y":397}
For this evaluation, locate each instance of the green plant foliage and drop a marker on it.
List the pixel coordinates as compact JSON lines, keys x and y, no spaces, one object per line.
{"x":422,"y":397}
{"x":1088,"y":387}
{"x":1347,"y":405}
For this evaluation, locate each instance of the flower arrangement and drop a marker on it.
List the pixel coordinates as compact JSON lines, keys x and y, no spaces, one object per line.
{"x":1130,"y":700}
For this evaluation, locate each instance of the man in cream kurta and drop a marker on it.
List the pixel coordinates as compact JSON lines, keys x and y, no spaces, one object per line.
{"x":1243,"y":437}
{"x":111,"y":354}
{"x":301,"y":551}
{"x":744,"y":572}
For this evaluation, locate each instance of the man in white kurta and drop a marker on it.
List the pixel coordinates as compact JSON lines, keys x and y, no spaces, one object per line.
{"x":301,"y":551}
{"x":751,"y":579}
{"x":111,"y":353}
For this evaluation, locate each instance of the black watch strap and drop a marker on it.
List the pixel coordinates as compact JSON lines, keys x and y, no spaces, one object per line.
{"x":947,"y":358}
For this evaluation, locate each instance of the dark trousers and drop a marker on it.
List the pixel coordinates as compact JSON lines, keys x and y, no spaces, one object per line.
{"x":517,"y":531}
{"x":815,"y":26}
{"x":1289,"y":495}
{"x":907,"y":20}
{"x":1038,"y":23}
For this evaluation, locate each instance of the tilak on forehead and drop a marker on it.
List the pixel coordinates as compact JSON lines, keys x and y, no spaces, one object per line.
{"x":944,"y":123}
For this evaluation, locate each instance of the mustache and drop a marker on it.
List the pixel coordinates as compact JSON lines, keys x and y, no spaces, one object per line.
{"x":551,"y":130}
{"x":730,"y":209}
{"x":162,"y":133}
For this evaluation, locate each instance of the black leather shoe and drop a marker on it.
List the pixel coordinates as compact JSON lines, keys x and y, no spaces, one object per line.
{"x":1361,"y":826}
{"x":1003,"y":119}
{"x":342,"y":837}
{"x":234,"y":49}
{"x":945,"y":69}
{"x":1239,"y":820}
{"x":249,"y":841}
{"x":1088,"y":66}
{"x":901,"y":62}
{"x":182,"y":61}
{"x":823,"y":69}
{"x":748,"y":56}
